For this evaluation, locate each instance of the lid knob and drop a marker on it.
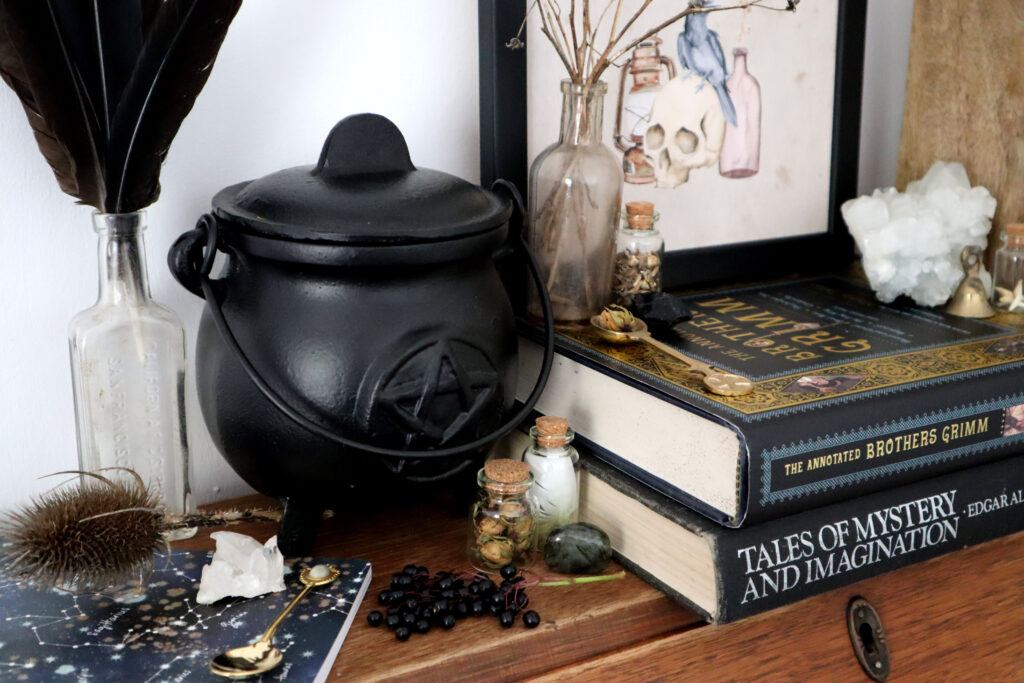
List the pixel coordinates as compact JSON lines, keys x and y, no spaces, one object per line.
{"x":364,"y":144}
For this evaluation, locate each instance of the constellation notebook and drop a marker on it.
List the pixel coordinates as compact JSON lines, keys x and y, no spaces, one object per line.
{"x":46,"y":635}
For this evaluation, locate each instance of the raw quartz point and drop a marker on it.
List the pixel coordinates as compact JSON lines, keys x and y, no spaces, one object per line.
{"x":911,"y":242}
{"x":579,"y":548}
{"x":241,"y":567}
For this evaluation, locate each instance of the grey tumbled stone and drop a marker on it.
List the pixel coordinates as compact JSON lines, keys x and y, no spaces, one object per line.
{"x":578,"y":548}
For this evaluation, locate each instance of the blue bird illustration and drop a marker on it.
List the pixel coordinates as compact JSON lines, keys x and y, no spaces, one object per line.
{"x":700,"y":51}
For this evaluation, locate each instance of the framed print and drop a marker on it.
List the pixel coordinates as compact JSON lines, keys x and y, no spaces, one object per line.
{"x":748,"y":174}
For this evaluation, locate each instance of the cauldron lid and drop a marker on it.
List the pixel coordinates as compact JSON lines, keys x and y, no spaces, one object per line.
{"x":365,"y":190}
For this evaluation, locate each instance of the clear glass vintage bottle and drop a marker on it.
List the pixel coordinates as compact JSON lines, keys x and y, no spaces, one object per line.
{"x":741,"y":149}
{"x":1008,"y":275}
{"x":501,"y":524}
{"x":555,"y":495}
{"x":575,"y":195}
{"x":639,"y":253}
{"x":128,"y":370}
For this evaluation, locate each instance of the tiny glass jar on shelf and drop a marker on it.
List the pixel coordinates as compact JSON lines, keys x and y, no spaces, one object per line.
{"x":555,"y":464}
{"x":1008,"y":275}
{"x":501,"y":525}
{"x":639,"y":253}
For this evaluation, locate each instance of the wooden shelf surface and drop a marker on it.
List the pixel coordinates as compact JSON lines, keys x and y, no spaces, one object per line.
{"x":958,"y":617}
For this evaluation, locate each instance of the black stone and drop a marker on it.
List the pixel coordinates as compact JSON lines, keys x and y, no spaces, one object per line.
{"x":578,"y":548}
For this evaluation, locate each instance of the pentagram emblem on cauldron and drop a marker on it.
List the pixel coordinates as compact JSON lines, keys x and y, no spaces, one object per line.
{"x":435,"y":393}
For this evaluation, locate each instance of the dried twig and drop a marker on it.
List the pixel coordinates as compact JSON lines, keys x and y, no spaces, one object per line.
{"x":578,"y":47}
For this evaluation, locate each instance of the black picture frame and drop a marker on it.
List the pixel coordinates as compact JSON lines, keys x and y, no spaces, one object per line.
{"x":503,"y":153}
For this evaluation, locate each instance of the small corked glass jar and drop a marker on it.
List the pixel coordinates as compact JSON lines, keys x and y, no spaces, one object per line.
{"x":556,"y":469}
{"x":501,"y":520}
{"x":639,"y":253}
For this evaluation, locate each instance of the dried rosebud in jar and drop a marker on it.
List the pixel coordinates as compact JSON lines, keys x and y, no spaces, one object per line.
{"x":501,"y":520}
{"x":640,"y":250}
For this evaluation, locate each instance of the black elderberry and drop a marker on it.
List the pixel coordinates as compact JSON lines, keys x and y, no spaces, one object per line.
{"x":384,"y":597}
{"x":461,"y":610}
{"x":408,"y":619}
{"x":496,"y":599}
{"x":393,"y":620}
{"x":531,"y":619}
{"x":448,"y":622}
{"x":422,"y":626}
{"x":422,"y":570}
{"x":463,"y":592}
{"x":442,"y":606}
{"x":375,"y":618}
{"x":445,"y":583}
{"x":402,"y":633}
{"x":508,"y":571}
{"x":411,"y":603}
{"x":486,"y":586}
{"x":521,"y":599}
{"x":476,"y":608}
{"x":448,"y":594}
{"x":394,"y":609}
{"x":495,"y":610}
{"x":397,"y":596}
{"x":507,"y":618}
{"x":428,"y":611}
{"x":411,"y":569}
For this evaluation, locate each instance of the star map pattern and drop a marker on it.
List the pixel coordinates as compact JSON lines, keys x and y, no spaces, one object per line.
{"x":155,"y":632}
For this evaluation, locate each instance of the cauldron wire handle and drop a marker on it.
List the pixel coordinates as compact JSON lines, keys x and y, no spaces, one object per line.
{"x":206,"y":227}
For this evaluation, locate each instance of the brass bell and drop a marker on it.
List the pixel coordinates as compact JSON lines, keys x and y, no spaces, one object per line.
{"x":970,"y":300}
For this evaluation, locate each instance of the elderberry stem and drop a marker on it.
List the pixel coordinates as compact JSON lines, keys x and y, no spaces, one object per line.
{"x":583,"y":579}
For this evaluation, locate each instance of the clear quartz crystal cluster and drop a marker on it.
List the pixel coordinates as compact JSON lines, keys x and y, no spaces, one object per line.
{"x":241,"y":567}
{"x":911,"y":241}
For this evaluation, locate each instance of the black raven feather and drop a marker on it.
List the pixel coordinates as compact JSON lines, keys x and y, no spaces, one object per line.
{"x":36,"y":63}
{"x":175,"y":62}
{"x":106,"y":84}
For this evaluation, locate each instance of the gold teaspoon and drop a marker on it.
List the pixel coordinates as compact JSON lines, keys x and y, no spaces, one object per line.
{"x":715,"y":381}
{"x":262,"y":656}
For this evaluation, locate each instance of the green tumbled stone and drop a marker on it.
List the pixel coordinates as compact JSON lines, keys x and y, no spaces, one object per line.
{"x":578,"y":548}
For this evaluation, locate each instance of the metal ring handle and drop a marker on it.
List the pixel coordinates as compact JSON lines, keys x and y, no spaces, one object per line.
{"x":208,"y":226}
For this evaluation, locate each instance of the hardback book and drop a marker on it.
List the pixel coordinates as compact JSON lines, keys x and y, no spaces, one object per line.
{"x":729,"y":574}
{"x":161,"y":634}
{"x":850,"y":396}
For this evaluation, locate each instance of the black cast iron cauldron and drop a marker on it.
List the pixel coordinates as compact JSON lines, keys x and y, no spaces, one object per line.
{"x":359,"y":334}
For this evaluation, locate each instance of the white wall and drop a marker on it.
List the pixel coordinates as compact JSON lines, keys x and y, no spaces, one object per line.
{"x":287,"y":72}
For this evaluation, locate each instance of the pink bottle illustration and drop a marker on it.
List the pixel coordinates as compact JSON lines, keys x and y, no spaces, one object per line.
{"x":741,"y":150}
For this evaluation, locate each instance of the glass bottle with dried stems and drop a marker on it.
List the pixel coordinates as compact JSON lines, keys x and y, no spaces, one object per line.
{"x":575,"y":197}
{"x":128,"y":370}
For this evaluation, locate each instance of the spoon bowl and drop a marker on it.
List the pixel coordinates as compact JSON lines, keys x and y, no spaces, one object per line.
{"x":262,"y":656}
{"x":638,"y":328}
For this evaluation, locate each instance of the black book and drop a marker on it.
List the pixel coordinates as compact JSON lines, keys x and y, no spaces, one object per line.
{"x":729,"y":574}
{"x":850,"y":396}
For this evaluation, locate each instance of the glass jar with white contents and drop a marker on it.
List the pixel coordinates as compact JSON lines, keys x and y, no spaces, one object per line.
{"x":555,"y":496}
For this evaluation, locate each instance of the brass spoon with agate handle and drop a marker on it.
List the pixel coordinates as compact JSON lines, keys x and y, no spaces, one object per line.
{"x":715,"y":381}
{"x":262,"y":656}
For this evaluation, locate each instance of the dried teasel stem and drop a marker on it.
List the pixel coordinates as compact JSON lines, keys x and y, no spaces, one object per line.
{"x":99,"y":533}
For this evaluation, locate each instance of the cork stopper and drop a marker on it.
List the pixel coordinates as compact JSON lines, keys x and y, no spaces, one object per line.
{"x":640,"y":215}
{"x":551,"y":431}
{"x":1015,"y":229}
{"x":505,"y":471}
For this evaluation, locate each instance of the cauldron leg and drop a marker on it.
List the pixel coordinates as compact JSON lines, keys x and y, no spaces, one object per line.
{"x":297,"y":530}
